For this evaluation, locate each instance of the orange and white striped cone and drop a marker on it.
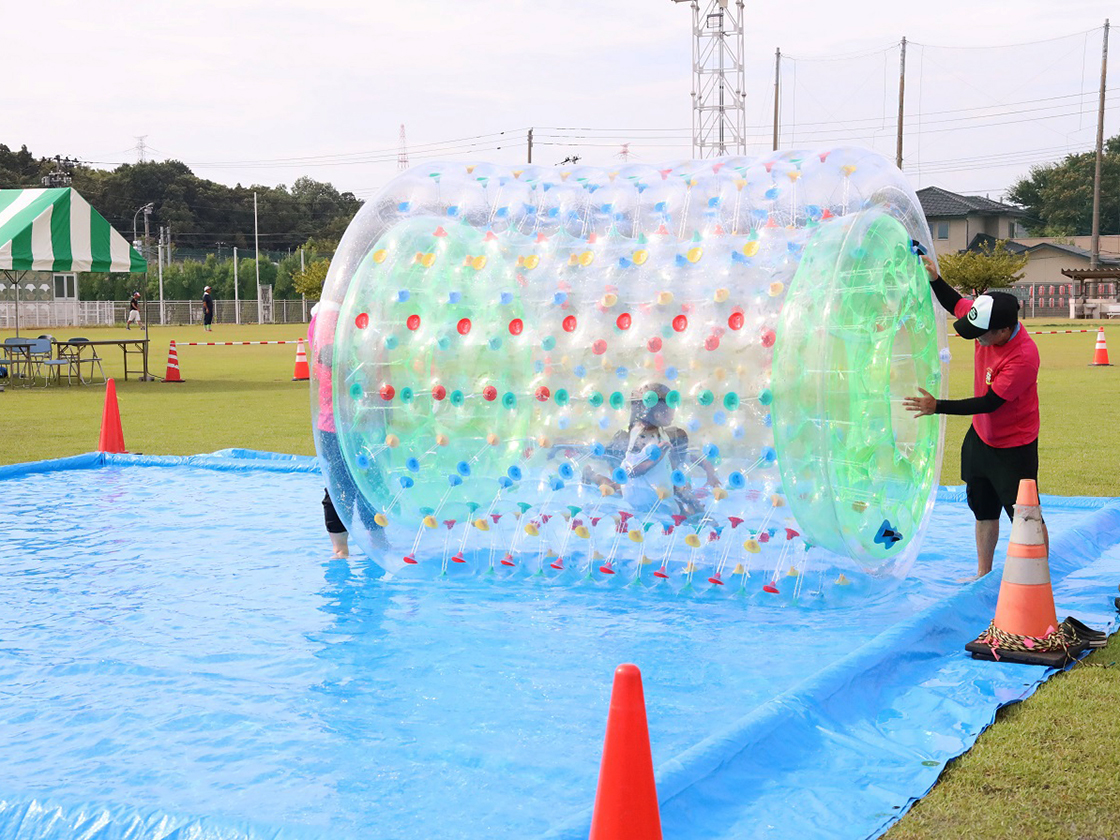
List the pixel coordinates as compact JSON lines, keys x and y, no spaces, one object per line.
{"x":301,"y":373}
{"x":1025,"y":628}
{"x":1100,"y":355}
{"x":173,"y":374}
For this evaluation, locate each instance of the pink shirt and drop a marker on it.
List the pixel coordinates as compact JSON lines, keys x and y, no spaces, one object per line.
{"x":1011,"y":370}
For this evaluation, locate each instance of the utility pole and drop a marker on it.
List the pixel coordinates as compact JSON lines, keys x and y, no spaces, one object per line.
{"x":1095,"y":251}
{"x":530,"y":145}
{"x":402,"y":153}
{"x":901,"y":101}
{"x":719,"y":114}
{"x":257,"y":249}
{"x":162,"y":309}
{"x":777,"y":91}
{"x":236,"y":293}
{"x":302,"y":269}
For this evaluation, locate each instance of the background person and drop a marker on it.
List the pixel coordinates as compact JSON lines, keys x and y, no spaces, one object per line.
{"x":1001,"y":446}
{"x":207,"y":310}
{"x":133,"y":312}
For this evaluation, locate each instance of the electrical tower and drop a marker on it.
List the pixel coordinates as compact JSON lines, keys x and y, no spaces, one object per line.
{"x":402,"y":154}
{"x":141,"y":148}
{"x":719,"y":112}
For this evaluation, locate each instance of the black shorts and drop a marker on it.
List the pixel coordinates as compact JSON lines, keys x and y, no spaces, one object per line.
{"x":330,"y":516}
{"x":992,"y":475}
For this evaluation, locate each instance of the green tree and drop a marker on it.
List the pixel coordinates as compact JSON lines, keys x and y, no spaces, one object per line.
{"x":310,"y":281}
{"x":991,"y":266}
{"x":1058,"y":198}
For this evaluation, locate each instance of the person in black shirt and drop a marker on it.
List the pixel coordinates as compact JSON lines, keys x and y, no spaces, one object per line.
{"x":133,"y":311}
{"x":207,"y":310}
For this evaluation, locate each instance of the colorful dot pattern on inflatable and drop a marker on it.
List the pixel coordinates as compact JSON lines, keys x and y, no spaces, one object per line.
{"x":696,"y":368}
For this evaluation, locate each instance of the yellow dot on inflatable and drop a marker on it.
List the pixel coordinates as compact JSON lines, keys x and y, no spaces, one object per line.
{"x":586,"y":258}
{"x":606,"y":364}
{"x":532,"y":530}
{"x":719,"y":374}
{"x":776,"y":288}
{"x":606,"y":489}
{"x":690,"y":568}
{"x":777,"y":501}
{"x":752,"y":546}
{"x":381,"y":519}
{"x":470,"y":169}
{"x":609,"y":299}
{"x":492,"y":439}
{"x":751,"y":248}
{"x":739,"y":569}
{"x":517,"y":173}
{"x":429,"y":521}
{"x":646,"y":560}
{"x":598,"y":555}
{"x":573,"y":259}
{"x":792,"y":572}
{"x":532,"y":261}
{"x":859,"y":507}
{"x":635,"y":535}
{"x":582,"y":532}
{"x":693,"y":255}
{"x":482,"y":524}
{"x":719,"y":494}
{"x":842,"y":580}
{"x":664,"y":298}
{"x":794,"y":175}
{"x":640,"y":256}
{"x":692,"y":540}
{"x":428,"y":260}
{"x":478,"y":263}
{"x":543,"y":442}
{"x":848,"y":170}
{"x":739,"y":183}
{"x":550,"y":554}
{"x":441,"y":439}
{"x":662,"y":493}
{"x":722,"y":295}
{"x":379,"y":255}
{"x":392,"y":441}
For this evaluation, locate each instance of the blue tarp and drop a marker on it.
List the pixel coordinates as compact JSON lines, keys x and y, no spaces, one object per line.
{"x":327,"y":701}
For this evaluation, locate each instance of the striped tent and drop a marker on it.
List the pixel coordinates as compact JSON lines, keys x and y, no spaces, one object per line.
{"x":57,"y":230}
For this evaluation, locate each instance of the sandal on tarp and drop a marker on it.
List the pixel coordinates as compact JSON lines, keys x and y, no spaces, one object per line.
{"x":1095,"y":638}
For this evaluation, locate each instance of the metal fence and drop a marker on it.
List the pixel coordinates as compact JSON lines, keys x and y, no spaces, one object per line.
{"x":106,"y":313}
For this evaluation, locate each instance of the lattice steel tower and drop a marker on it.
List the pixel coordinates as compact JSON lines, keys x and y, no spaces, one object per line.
{"x":719,"y":112}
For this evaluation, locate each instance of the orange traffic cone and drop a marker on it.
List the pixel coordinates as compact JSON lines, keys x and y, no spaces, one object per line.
{"x":1100,"y":357}
{"x":301,"y":373}
{"x":112,"y":435}
{"x":626,"y":799}
{"x":1025,"y":628}
{"x":172,"y":365}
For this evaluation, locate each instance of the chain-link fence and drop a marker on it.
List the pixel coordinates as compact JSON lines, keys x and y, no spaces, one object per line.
{"x":70,"y":313}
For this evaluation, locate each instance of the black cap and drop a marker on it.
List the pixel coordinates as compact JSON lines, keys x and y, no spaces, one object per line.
{"x":991,"y":311}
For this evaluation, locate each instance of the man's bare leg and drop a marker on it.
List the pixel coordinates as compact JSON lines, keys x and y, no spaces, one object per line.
{"x":987,"y":535}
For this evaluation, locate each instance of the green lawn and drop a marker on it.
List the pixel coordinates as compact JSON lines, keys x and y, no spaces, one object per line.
{"x":1047,"y":769}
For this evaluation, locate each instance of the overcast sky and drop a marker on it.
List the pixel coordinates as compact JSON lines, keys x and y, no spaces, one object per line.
{"x":246,"y":91}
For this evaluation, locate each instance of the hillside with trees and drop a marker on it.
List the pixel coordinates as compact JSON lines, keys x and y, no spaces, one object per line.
{"x":206,"y":221}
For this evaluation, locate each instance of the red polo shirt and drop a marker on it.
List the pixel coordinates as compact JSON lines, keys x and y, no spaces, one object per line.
{"x":1011,"y":370}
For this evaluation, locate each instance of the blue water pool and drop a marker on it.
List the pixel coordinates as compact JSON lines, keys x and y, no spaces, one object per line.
{"x":177,"y":652}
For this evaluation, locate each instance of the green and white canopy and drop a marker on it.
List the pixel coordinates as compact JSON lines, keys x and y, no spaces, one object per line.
{"x":57,"y":230}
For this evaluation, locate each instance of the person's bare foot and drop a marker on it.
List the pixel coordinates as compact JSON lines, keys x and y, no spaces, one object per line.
{"x":971,"y":578}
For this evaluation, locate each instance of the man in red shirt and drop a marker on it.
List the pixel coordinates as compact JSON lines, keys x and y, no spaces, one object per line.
{"x":1001,"y":446}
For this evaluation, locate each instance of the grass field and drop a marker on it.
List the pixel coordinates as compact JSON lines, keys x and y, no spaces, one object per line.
{"x":1047,"y":769}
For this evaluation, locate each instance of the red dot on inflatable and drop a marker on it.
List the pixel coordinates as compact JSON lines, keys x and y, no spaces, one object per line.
{"x":680,"y":323}
{"x":735,"y":321}
{"x":599,"y":347}
{"x":768,"y":338}
{"x":623,"y":321}
{"x":413,"y":322}
{"x":711,"y":342}
{"x":570,"y":323}
{"x":654,"y":344}
{"x":543,"y":394}
{"x":464,"y":326}
{"x":439,"y":392}
{"x":362,"y":321}
{"x":387,"y":392}
{"x":489,"y":393}
{"x":516,"y":326}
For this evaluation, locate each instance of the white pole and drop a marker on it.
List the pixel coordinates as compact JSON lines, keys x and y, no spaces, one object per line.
{"x":257,"y":249}
{"x":301,"y":270}
{"x":159,"y":260}
{"x":236,"y":293}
